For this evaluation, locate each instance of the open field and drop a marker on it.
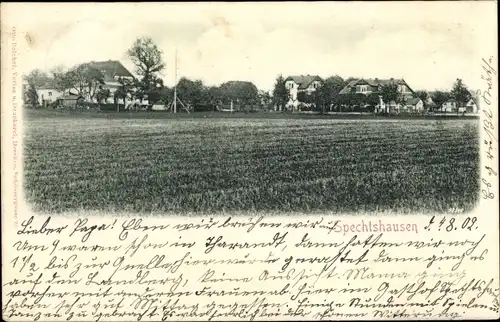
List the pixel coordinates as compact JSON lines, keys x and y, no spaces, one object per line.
{"x":196,"y":164}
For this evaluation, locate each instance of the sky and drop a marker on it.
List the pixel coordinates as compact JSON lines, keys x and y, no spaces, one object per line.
{"x":429,"y":44}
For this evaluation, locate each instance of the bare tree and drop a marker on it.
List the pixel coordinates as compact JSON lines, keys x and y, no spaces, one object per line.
{"x":146,"y":56}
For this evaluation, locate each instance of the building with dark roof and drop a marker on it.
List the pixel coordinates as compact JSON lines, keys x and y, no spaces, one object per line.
{"x":111,"y":69}
{"x":373,"y":85}
{"x":370,"y":86}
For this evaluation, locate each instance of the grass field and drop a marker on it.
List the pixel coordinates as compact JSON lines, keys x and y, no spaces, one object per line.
{"x":210,"y":164}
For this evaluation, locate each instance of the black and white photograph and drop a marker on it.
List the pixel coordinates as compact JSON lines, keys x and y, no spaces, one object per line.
{"x":197,"y":110}
{"x":250,"y":161}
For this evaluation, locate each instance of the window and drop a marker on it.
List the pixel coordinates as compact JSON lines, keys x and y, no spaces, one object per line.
{"x":50,"y":93}
{"x":362,"y":88}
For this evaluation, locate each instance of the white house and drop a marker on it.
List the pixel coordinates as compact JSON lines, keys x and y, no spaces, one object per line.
{"x":448,"y":106}
{"x":47,"y":94}
{"x":471,"y":106}
{"x":414,"y":104}
{"x":451,"y":106}
{"x":297,"y":84}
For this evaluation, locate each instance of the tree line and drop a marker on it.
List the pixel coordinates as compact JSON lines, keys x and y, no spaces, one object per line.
{"x":327,"y":97}
{"x":87,"y":81}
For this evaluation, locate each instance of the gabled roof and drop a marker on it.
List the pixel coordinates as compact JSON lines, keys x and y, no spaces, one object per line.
{"x":304,"y":81}
{"x":48,"y":84}
{"x":111,"y":69}
{"x":375,"y":82}
{"x":413,"y":101}
{"x":347,"y":89}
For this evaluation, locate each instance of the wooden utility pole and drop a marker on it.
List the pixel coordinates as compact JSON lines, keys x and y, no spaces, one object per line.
{"x":175,"y":83}
{"x":174,"y":102}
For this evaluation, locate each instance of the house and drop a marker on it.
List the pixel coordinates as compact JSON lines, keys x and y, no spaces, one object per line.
{"x":414,"y":105}
{"x":301,"y":84}
{"x":450,"y":106}
{"x":48,"y":94}
{"x":371,"y":86}
{"x":70,"y":100}
{"x":46,"y":91}
{"x":113,"y":71}
{"x":471,"y":106}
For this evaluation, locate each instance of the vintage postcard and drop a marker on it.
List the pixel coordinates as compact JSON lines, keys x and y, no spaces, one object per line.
{"x":249,"y":161}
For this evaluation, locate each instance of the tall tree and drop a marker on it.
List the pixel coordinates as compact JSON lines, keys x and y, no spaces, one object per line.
{"x":331,"y":88}
{"x":460,"y":93}
{"x":318,"y":98}
{"x":439,"y":97}
{"x":146,"y":56}
{"x":265,"y":99}
{"x":281,"y":95}
{"x":148,"y":60}
{"x":372,"y":100}
{"x":150,"y":88}
{"x":102,"y":95}
{"x":126,"y":90}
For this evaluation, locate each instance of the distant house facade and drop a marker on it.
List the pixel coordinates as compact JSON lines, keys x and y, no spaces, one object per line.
{"x":471,"y":106}
{"x":373,"y":86}
{"x":413,"y":104}
{"x":450,"y":106}
{"x":48,"y":94}
{"x":301,"y":84}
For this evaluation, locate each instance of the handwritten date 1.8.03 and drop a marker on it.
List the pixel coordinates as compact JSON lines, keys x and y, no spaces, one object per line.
{"x":450,"y":224}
